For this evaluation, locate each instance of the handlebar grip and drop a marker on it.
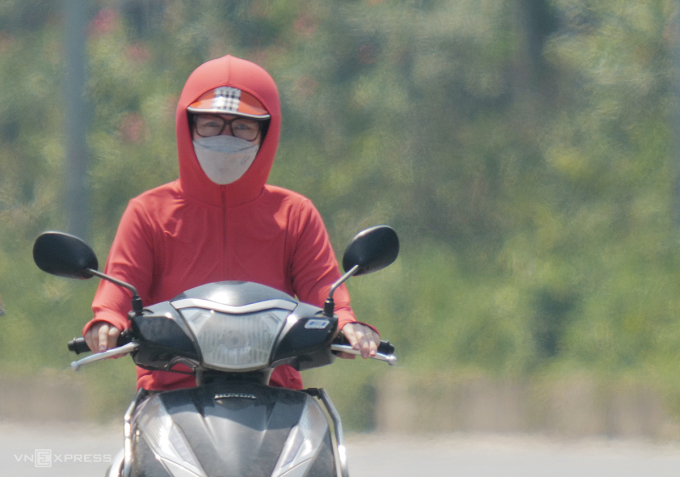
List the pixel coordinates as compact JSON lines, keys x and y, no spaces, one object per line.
{"x":385,"y":347}
{"x":78,"y":345}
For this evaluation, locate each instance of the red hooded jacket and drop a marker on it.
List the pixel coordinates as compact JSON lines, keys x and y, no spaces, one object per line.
{"x":192,"y":231}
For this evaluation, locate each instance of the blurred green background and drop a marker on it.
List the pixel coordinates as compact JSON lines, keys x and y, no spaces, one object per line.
{"x":524,"y":150}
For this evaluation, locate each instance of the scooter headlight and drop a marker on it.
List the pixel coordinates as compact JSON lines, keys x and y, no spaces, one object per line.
{"x":235,"y":342}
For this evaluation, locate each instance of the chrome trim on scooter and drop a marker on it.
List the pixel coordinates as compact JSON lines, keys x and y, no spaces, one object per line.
{"x":234,"y":310}
{"x":116,"y":464}
{"x":337,"y":428}
{"x":127,"y":432}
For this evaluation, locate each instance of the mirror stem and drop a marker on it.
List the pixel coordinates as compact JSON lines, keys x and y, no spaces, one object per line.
{"x":137,"y":305}
{"x":329,"y":305}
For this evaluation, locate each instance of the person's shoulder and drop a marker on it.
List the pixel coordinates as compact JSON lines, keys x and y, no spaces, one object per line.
{"x":158,"y":199}
{"x":163,"y":193}
{"x":287,"y":195}
{"x":294,"y":204}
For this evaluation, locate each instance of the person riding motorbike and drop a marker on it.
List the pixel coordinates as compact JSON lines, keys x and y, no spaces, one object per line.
{"x":220,"y":220}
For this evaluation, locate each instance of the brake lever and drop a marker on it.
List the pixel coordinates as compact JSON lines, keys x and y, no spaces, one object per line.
{"x":125,"y":349}
{"x":342,"y":348}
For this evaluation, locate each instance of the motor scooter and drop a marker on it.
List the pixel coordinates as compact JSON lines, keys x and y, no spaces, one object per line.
{"x":230,"y":335}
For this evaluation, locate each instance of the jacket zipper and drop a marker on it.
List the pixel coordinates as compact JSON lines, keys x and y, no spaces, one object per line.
{"x":224,"y":233}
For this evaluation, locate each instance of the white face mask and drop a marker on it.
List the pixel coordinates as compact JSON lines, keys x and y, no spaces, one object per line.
{"x":224,"y":159}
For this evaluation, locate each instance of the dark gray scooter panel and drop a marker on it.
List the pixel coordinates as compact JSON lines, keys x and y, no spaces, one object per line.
{"x":238,"y":429}
{"x":235,"y":293}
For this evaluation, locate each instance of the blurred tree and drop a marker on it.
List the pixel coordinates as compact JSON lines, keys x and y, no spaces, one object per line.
{"x":520,"y":148}
{"x":77,"y":196}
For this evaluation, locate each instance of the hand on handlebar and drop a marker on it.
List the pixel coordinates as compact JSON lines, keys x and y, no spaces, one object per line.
{"x":102,"y":336}
{"x":362,"y":338}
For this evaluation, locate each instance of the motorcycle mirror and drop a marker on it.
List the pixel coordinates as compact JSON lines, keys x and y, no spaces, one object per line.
{"x":64,"y":255}
{"x":371,"y":250}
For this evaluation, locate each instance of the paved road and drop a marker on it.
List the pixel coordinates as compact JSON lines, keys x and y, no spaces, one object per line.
{"x":60,"y":451}
{"x":512,"y":456}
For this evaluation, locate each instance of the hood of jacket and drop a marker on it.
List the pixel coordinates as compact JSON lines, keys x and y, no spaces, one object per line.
{"x":247,"y":76}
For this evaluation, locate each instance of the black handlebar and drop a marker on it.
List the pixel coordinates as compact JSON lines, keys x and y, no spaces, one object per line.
{"x":78,"y":345}
{"x":385,"y":347}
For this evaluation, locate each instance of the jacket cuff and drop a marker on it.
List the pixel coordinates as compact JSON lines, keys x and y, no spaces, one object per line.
{"x":109,"y":317}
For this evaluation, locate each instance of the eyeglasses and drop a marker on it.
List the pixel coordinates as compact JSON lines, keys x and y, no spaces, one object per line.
{"x":208,"y":125}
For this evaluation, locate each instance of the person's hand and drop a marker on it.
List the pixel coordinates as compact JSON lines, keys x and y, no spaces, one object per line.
{"x":362,"y":338}
{"x":101,"y":336}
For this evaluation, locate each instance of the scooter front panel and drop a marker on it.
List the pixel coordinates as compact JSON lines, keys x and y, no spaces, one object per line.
{"x":244,"y":429}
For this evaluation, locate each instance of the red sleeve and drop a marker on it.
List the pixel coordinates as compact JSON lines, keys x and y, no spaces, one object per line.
{"x":130,"y":260}
{"x":314,"y":267}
